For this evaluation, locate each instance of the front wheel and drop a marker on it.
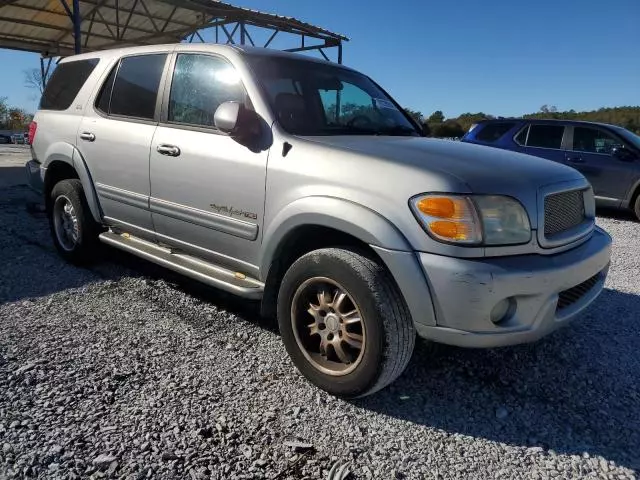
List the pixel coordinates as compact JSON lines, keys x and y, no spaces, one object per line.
{"x":344,"y":322}
{"x":636,"y":207}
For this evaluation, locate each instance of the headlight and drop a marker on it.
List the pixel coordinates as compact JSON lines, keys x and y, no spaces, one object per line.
{"x":472,"y":219}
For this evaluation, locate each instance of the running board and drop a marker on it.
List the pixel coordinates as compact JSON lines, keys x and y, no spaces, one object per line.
{"x":186,"y":265}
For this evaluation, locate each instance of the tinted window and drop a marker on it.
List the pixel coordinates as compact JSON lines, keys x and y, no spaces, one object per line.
{"x":200,"y":84}
{"x":136,"y":86}
{"x":521,"y":138}
{"x":593,"y":140}
{"x":104,"y":97}
{"x":545,"y":136}
{"x":493,"y":131}
{"x":65,"y":83}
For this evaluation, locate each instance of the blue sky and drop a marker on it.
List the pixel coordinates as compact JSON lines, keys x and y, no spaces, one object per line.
{"x":498,"y":56}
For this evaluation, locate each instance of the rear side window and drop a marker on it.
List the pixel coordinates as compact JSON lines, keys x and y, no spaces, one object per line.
{"x":135,"y":87}
{"x":65,"y":83}
{"x":493,"y":131}
{"x":104,"y":97}
{"x":545,"y":136}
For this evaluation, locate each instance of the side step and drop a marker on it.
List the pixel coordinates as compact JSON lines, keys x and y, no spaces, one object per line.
{"x":187,"y":265}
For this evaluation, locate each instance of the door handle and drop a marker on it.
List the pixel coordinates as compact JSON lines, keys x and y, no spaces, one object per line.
{"x":575,"y":159}
{"x":88,"y":136}
{"x":169,"y":150}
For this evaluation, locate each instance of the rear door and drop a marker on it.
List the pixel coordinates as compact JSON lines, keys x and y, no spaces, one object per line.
{"x":591,"y":150}
{"x":546,"y":140}
{"x":115,"y":138}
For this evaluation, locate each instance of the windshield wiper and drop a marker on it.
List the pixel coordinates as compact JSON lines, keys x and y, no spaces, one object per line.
{"x":397,"y":130}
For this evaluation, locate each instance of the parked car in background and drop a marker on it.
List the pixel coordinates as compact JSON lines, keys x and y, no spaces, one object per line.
{"x":19,"y":138}
{"x":607,"y":155}
{"x":4,"y":139}
{"x":303,"y":184}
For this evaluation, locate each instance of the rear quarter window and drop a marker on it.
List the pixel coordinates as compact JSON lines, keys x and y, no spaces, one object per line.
{"x":492,"y":132}
{"x":65,"y":83}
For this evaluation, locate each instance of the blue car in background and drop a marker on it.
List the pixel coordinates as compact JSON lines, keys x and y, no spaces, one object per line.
{"x":607,"y":155}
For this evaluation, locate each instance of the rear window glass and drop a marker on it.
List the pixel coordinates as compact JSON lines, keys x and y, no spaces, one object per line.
{"x":136,"y":86}
{"x":545,"y":136}
{"x":65,"y":83}
{"x":493,"y":131}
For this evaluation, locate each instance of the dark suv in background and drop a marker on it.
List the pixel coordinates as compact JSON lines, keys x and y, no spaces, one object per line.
{"x":609,"y":156}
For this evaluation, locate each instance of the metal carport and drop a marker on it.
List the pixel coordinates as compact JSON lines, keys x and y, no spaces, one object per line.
{"x":63,"y":27}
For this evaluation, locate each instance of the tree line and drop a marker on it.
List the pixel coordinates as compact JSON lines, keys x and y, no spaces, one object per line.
{"x":13,"y":118}
{"x":437,"y":125}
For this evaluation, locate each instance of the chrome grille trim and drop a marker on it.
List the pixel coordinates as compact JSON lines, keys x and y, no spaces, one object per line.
{"x":563,"y":211}
{"x":563,"y":229}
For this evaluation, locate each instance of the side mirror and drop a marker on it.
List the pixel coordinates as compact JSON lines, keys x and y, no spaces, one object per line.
{"x":623,"y":154}
{"x":226,"y":117}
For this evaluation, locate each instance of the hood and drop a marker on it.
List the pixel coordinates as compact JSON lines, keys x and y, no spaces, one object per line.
{"x":483,"y":169}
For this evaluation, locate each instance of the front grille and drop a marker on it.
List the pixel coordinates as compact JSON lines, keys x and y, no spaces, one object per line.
{"x":574,"y":294}
{"x":563,"y":211}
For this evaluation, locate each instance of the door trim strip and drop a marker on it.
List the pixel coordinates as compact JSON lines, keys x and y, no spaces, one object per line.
{"x":214,"y":221}
{"x":123,"y":196}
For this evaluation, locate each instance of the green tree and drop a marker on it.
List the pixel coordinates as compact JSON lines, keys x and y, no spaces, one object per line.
{"x":436,"y":117}
{"x":448,"y":129}
{"x":416,"y":115}
{"x":4,"y":111}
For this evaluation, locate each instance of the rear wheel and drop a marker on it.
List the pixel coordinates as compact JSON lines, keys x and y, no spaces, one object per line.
{"x":344,"y":322}
{"x":636,"y":207}
{"x":74,"y":231}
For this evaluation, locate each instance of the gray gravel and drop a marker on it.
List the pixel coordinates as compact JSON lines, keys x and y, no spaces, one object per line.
{"x":126,"y":370}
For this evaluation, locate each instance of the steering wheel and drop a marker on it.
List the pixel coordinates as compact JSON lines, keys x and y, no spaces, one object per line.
{"x":363,"y":120}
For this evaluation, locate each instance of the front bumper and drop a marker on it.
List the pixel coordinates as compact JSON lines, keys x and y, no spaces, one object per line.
{"x":34,"y":176}
{"x":465,"y":291}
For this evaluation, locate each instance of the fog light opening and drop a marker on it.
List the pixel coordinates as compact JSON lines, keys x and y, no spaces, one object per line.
{"x":503,"y":310}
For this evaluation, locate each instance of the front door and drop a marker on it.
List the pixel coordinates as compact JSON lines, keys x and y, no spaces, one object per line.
{"x":115,"y":136}
{"x":610,"y":177}
{"x":207,"y":190}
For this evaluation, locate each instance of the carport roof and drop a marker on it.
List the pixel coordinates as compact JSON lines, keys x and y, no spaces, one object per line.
{"x":47,"y":26}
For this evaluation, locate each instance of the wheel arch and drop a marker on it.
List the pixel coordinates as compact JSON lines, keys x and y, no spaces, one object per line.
{"x":313,"y":222}
{"x":64,"y":161}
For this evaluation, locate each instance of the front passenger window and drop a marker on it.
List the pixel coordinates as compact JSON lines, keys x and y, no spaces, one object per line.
{"x":593,"y":140}
{"x":200,"y":84}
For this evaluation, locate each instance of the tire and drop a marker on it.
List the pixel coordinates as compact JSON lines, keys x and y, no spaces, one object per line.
{"x":78,"y":243}
{"x":636,"y":207}
{"x":385,"y":328}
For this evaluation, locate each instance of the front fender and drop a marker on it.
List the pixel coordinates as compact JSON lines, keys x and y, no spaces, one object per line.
{"x":343,"y":215}
{"x":67,"y":153}
{"x":370,"y":228}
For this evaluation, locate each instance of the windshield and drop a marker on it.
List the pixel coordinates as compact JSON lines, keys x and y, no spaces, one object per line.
{"x":629,"y":136}
{"x":310,"y":98}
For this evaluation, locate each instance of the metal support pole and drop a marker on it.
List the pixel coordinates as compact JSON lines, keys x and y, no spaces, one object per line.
{"x":242,"y":32}
{"x":42,"y":74}
{"x":76,"y":26}
{"x":340,"y":53}
{"x":217,"y":39}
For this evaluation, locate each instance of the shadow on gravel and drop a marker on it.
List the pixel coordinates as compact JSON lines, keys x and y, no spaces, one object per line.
{"x":576,"y":391}
{"x":616,"y":214}
{"x":247,"y":309}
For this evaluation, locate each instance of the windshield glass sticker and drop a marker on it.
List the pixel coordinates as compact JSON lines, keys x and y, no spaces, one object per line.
{"x":384,"y":103}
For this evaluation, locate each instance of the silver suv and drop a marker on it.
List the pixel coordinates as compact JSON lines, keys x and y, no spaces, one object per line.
{"x":305,"y":185}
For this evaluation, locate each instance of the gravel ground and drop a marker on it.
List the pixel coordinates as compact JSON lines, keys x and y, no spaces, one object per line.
{"x":126,"y":370}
